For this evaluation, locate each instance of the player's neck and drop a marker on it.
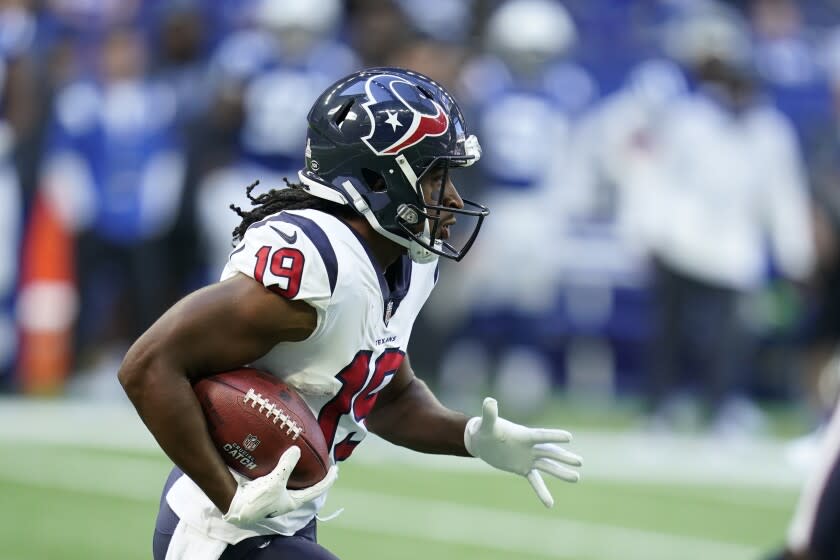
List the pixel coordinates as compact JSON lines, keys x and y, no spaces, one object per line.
{"x":384,"y":250}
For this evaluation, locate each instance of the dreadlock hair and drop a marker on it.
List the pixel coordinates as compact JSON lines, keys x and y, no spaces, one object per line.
{"x":294,"y":197}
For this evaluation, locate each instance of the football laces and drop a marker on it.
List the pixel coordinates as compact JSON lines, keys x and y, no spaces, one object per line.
{"x":274,"y":413}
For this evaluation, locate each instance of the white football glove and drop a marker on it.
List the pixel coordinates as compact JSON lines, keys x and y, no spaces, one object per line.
{"x":519,"y":449}
{"x":267,"y":496}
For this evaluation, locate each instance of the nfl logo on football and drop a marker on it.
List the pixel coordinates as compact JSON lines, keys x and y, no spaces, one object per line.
{"x":251,"y":442}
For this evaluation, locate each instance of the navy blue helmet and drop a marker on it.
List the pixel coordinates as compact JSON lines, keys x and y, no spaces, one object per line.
{"x":372,"y":136}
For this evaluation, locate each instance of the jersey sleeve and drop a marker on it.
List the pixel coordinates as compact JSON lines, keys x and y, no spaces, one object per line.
{"x":290,"y":255}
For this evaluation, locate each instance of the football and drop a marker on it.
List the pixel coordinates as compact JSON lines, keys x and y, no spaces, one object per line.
{"x":253,"y":417}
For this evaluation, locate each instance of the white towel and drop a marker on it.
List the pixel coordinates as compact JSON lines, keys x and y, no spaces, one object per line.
{"x":189,"y":544}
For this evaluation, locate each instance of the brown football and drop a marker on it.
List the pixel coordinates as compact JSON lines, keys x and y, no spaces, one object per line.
{"x":253,"y":417}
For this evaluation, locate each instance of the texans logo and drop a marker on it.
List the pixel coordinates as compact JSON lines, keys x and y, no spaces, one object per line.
{"x":401,"y":115}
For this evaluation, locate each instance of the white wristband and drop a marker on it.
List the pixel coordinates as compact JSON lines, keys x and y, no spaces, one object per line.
{"x":470,"y":429}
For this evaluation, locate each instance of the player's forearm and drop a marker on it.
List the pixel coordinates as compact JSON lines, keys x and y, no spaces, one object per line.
{"x":167,"y":405}
{"x":417,"y":420}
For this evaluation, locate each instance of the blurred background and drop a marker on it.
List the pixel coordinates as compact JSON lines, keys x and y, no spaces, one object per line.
{"x":658,"y":274}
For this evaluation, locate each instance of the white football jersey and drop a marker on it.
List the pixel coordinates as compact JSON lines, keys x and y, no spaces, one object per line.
{"x":364,"y":323}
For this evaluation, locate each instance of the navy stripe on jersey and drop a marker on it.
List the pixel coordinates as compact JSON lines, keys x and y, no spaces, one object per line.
{"x":315,"y":234}
{"x":238,"y":249}
{"x":398,"y":277}
{"x":393,"y":282}
{"x":242,"y":243}
{"x":377,"y":268}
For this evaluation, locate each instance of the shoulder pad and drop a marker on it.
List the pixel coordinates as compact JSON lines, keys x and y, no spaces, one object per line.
{"x":290,"y":255}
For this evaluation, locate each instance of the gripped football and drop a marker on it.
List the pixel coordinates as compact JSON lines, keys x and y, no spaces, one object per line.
{"x":253,"y":417}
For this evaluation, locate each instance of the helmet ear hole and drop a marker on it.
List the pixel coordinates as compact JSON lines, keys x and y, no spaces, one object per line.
{"x":425,"y":92}
{"x":341,"y":114}
{"x":374,"y":180}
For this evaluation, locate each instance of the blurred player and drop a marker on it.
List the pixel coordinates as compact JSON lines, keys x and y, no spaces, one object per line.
{"x":813,"y":533}
{"x":526,"y":93}
{"x":263,"y":78}
{"x":715,"y":237}
{"x":322,"y":290}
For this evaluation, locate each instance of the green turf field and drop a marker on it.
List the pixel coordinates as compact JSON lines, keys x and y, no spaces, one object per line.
{"x":87,"y":503}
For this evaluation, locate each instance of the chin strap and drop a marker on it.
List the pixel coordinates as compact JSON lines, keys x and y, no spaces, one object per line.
{"x":322,"y":191}
{"x":416,"y":251}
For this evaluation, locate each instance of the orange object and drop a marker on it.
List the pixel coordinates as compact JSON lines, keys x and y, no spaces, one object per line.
{"x":48,"y":301}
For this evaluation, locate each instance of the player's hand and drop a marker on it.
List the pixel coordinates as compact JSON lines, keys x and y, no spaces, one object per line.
{"x":521,"y":450}
{"x":267,"y":496}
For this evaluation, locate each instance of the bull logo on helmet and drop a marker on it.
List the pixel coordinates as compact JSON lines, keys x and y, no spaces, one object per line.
{"x":401,"y":115}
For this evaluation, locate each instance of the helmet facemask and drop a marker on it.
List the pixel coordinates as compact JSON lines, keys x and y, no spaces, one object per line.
{"x":425,"y":245}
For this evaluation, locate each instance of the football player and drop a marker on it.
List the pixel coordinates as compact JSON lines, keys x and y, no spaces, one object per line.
{"x":813,"y":532}
{"x":322,"y":290}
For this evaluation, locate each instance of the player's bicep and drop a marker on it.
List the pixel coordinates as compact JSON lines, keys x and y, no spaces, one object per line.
{"x":226,"y":325}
